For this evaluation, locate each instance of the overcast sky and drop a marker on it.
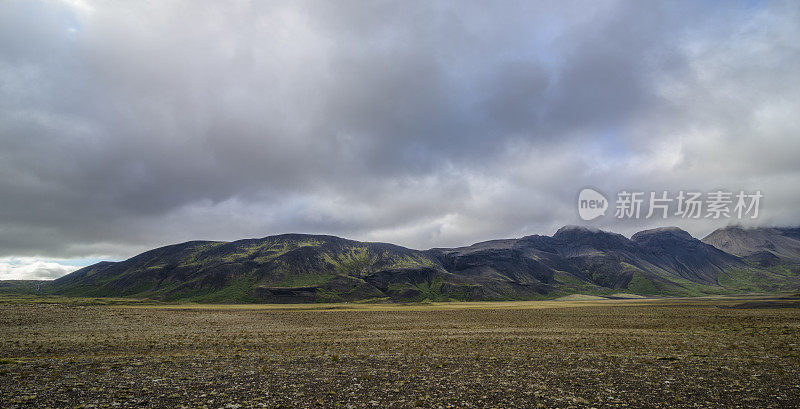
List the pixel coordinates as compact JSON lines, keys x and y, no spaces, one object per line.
{"x":126,"y":125}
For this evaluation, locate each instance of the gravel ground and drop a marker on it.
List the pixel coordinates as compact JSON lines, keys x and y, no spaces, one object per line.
{"x":582,"y":354}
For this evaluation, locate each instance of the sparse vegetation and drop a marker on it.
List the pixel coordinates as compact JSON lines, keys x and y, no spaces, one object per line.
{"x":354,"y":261}
{"x":579,"y":353}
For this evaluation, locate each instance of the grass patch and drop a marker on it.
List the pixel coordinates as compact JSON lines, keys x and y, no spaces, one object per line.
{"x":640,"y":284}
{"x":743,"y":280}
{"x":354,"y":262}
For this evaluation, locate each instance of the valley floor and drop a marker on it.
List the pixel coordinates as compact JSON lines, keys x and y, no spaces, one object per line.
{"x":610,"y":353}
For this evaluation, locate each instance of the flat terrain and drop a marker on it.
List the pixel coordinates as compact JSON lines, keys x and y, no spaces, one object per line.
{"x":594,"y":353}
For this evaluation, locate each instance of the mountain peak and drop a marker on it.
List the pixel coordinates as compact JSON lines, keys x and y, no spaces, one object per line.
{"x":573,"y":229}
{"x":743,"y":242}
{"x":670,"y":231}
{"x":591,"y":236}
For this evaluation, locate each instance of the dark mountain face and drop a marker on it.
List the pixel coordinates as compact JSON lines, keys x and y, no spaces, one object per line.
{"x":576,"y":239}
{"x":677,"y":251}
{"x":313,"y":268}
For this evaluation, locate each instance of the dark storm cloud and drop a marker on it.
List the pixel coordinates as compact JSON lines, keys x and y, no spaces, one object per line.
{"x":128,"y":125}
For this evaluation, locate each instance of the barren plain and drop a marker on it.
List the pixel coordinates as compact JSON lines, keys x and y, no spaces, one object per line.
{"x":570,"y":353}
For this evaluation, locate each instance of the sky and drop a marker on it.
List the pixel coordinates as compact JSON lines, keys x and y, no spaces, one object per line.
{"x":126,"y":126}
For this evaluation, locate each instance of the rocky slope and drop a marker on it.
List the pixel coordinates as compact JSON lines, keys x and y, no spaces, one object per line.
{"x":770,"y":245}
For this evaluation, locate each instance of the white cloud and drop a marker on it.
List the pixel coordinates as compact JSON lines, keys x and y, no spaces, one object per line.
{"x":32,"y":268}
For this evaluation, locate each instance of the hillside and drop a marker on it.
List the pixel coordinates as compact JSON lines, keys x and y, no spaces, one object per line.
{"x":284,"y":268}
{"x":317,"y":268}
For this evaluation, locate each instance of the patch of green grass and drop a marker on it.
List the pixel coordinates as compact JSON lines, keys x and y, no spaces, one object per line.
{"x":373,"y":300}
{"x":24,"y":286}
{"x":672,"y":287}
{"x":432,"y":290}
{"x":261,"y":251}
{"x":570,"y":284}
{"x":784,"y":269}
{"x":566,"y":284}
{"x":396,"y":287}
{"x":354,"y":262}
{"x":746,"y":280}
{"x":197,"y":253}
{"x":409,"y":261}
{"x":239,"y":289}
{"x":640,"y":284}
{"x":326,"y":295}
{"x":275,"y":250}
{"x":460,"y":293}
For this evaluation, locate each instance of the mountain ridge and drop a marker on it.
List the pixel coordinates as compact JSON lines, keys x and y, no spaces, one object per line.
{"x":295,"y":267}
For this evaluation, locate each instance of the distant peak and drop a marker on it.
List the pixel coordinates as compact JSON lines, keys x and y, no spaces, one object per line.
{"x":737,"y":230}
{"x":573,"y":228}
{"x":590,"y":236}
{"x":659,"y":231}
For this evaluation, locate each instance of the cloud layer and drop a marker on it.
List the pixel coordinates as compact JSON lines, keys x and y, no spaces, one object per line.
{"x":128,"y":125}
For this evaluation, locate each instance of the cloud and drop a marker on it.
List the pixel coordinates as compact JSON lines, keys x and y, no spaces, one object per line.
{"x":30,"y":268}
{"x":125,"y":126}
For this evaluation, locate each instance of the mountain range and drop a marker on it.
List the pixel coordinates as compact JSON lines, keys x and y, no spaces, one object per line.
{"x":318,"y":268}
